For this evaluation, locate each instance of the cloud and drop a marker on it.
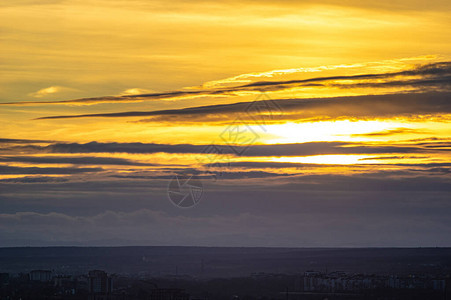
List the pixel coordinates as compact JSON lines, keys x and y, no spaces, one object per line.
{"x":136,"y":91}
{"x":227,"y":168}
{"x":23,"y":141}
{"x":335,"y":210}
{"x":225,"y":175}
{"x":391,"y":157}
{"x":319,"y":148}
{"x":34,"y":179}
{"x":243,"y":208}
{"x":434,"y":69}
{"x":72,"y":160}
{"x":50,"y":91}
{"x":427,"y":77}
{"x":35,"y":170}
{"x":388,"y":132}
{"x":298,"y":149}
{"x":297,"y":109}
{"x":246,"y":78}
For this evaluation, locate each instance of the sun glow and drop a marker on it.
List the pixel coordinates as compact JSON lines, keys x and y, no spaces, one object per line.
{"x":336,"y":159}
{"x":346,"y":130}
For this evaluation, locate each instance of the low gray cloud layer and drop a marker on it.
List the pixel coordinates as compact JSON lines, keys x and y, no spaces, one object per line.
{"x":301,"y":149}
{"x":71,"y":160}
{"x":330,"y":210}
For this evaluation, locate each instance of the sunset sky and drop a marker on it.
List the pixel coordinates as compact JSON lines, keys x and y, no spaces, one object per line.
{"x":309,"y":123}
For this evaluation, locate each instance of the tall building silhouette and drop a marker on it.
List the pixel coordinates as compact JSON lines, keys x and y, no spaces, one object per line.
{"x":99,"y":282}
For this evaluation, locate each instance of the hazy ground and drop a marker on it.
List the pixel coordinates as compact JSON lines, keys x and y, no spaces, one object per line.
{"x":224,"y":262}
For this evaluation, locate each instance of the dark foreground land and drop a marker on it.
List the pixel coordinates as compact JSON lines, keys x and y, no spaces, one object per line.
{"x":182,"y":273}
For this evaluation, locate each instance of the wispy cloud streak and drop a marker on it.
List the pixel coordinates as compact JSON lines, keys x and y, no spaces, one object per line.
{"x":355,"y":106}
{"x":436,"y":75}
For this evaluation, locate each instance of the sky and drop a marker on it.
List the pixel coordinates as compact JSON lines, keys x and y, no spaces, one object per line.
{"x":299,"y":123}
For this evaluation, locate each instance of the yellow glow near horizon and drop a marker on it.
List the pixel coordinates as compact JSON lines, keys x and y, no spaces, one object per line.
{"x":104,"y":130}
{"x":358,"y":159}
{"x":353,"y":131}
{"x":337,"y":159}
